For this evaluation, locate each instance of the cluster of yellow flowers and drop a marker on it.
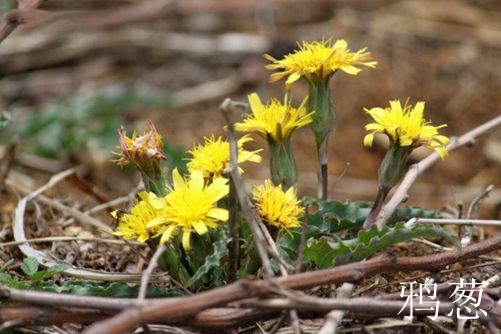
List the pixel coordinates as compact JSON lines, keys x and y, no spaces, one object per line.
{"x":192,"y":204}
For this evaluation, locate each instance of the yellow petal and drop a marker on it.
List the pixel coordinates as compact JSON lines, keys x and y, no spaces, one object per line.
{"x":340,"y":44}
{"x":219,"y":214}
{"x":255,"y":102}
{"x":197,"y":180}
{"x":219,"y":188}
{"x":177,"y":180}
{"x":350,"y":69}
{"x":186,"y":239}
{"x":277,"y":75}
{"x":155,"y":222}
{"x":293,"y":77}
{"x":200,"y":227}
{"x":396,"y":106}
{"x":167,"y":234}
{"x":368,"y":139}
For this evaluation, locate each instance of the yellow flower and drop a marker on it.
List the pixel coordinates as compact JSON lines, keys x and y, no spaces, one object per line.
{"x":213,"y":157}
{"x":133,"y":225}
{"x":190,"y":206}
{"x":140,"y":149}
{"x":275,"y":119}
{"x":276,"y":207}
{"x":406,"y":127}
{"x":319,"y":59}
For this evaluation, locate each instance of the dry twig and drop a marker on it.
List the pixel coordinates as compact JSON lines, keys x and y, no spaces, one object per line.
{"x":333,"y":318}
{"x":44,"y":259}
{"x":13,"y":18}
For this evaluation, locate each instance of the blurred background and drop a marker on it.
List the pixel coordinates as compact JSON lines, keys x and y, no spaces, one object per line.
{"x":80,"y":68}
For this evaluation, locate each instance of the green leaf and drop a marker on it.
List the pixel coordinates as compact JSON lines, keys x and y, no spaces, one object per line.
{"x":4,"y":120}
{"x":7,"y":264}
{"x":12,"y":282}
{"x":29,"y":266}
{"x":213,"y":260}
{"x":372,"y":241}
{"x":334,"y":217}
{"x":115,"y":289}
{"x":44,"y":274}
{"x":75,"y":123}
{"x":325,"y":251}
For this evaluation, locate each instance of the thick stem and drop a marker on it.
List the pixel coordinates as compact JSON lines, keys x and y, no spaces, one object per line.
{"x":393,"y":166}
{"x":320,"y":101}
{"x":322,"y":172}
{"x":234,"y":247}
{"x":376,"y":208}
{"x":283,"y":167}
{"x":154,"y":179}
{"x":390,"y":172}
{"x":170,"y":262}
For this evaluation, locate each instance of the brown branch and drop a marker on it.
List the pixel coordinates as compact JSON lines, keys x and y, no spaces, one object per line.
{"x":355,"y":305}
{"x":29,"y":315}
{"x":14,"y":18}
{"x":419,"y":168}
{"x":65,"y":300}
{"x":178,"y":308}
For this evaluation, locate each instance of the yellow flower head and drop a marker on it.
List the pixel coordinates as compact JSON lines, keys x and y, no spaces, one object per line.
{"x":133,"y":225}
{"x":190,"y":206}
{"x":213,"y":157}
{"x":276,"y":207}
{"x":406,"y":127}
{"x":320,"y":60}
{"x":140,"y":149}
{"x":275,"y":120}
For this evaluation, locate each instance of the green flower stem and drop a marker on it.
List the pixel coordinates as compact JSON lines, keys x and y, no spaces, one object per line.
{"x":252,"y":262}
{"x":170,"y":262}
{"x":320,"y":101}
{"x":390,"y":173}
{"x":283,"y":168}
{"x":154,"y":178}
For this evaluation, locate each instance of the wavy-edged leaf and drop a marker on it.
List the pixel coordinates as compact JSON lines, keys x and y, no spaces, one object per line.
{"x":29,"y":266}
{"x":335,"y":216}
{"x":326,"y":250}
{"x":213,"y":260}
{"x":372,"y":241}
{"x":114,"y":289}
{"x":44,"y":274}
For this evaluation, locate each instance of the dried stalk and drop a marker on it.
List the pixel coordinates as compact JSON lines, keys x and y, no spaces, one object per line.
{"x":43,"y":258}
{"x":149,"y":270}
{"x":245,"y":204}
{"x":333,"y":318}
{"x":466,"y":232}
{"x":13,"y":18}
